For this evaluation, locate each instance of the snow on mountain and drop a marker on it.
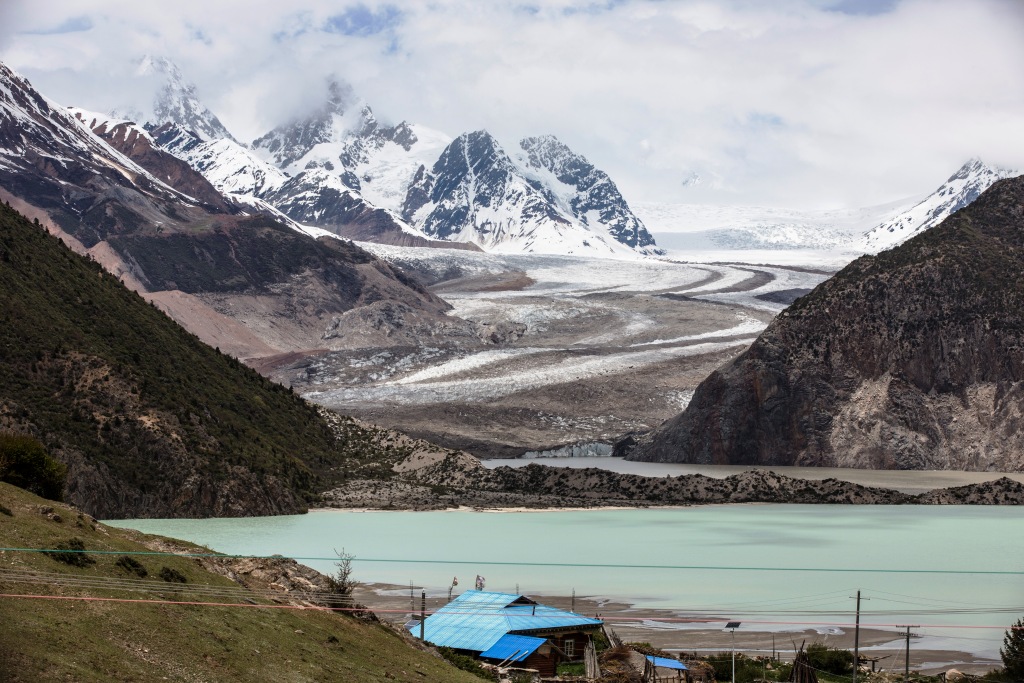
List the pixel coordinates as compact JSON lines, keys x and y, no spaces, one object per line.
{"x":39,"y":135}
{"x":476,"y":192}
{"x":174,"y":100}
{"x":230,"y":167}
{"x":962,"y":188}
{"x":590,"y":194}
{"x":385,"y":160}
{"x":136,"y":143}
{"x":311,"y":199}
{"x":319,"y":138}
{"x":344,"y":138}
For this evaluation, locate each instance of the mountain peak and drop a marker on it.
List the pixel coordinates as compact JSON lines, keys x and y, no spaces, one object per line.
{"x":340,"y":115}
{"x":962,"y":188}
{"x":175,"y":100}
{"x":591,"y":195}
{"x":340,"y":96}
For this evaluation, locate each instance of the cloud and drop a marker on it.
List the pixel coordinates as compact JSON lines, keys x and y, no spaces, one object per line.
{"x":360,"y":20}
{"x":69,"y":25}
{"x":799,"y":102}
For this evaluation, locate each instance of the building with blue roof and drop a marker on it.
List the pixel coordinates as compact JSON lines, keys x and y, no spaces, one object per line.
{"x":509,"y":628}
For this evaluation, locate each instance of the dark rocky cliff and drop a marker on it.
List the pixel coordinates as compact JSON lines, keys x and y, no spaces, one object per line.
{"x":911,"y":359}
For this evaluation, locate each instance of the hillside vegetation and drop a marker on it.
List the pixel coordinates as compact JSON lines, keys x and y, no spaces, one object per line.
{"x":60,"y":640}
{"x":150,"y":421}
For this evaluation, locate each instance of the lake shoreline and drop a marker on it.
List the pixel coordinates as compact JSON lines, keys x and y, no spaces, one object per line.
{"x":787,"y":569}
{"x":670,"y":631}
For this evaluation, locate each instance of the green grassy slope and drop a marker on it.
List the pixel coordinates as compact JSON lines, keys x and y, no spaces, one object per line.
{"x":61,"y":640}
{"x":151,"y":421}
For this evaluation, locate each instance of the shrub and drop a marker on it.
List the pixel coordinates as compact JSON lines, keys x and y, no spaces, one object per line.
{"x":833,"y":660}
{"x":465,"y":663}
{"x":747,"y":669}
{"x":72,"y":551}
{"x":172,"y":575}
{"x":25,"y":463}
{"x":132,"y":566}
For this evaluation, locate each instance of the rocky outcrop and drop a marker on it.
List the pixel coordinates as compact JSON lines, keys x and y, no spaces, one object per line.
{"x":434,"y":480}
{"x":911,"y":359}
{"x":1002,"y":491}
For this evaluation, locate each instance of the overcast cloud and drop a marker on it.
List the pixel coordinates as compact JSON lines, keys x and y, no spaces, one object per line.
{"x":804,"y":103}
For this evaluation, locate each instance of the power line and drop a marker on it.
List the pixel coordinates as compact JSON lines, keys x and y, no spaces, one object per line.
{"x":521,"y":563}
{"x":195,"y":603}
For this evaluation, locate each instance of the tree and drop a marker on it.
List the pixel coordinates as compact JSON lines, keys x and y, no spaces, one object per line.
{"x":1012,"y":651}
{"x":25,"y":463}
{"x":340,"y":584}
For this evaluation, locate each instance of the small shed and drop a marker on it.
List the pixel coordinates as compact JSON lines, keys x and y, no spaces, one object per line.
{"x":663,"y":669}
{"x":509,"y":628}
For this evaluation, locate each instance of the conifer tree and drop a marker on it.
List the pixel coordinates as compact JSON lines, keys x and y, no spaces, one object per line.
{"x":1012,"y":651}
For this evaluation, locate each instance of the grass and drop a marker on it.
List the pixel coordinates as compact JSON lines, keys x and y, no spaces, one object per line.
{"x":59,"y":640}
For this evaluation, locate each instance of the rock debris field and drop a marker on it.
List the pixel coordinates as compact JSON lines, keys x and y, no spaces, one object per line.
{"x":583,"y":349}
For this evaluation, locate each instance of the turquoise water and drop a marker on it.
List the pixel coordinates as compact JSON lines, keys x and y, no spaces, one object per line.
{"x":773,"y":566}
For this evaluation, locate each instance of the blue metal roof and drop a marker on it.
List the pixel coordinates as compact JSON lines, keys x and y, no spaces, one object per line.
{"x":666,"y":663}
{"x":476,"y":620}
{"x":513,"y":648}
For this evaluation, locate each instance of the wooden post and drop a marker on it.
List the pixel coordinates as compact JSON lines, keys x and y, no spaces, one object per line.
{"x":856,"y":641}
{"x":423,"y":615}
{"x":906,"y":660}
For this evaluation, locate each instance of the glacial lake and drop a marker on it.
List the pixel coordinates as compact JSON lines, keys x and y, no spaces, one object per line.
{"x":958,"y":571}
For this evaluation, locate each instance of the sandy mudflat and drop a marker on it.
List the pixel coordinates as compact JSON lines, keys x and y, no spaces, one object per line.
{"x":669,"y":631}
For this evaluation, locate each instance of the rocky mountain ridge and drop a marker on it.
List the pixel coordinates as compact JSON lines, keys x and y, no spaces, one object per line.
{"x":550,"y":200}
{"x":910,"y":359}
{"x":962,"y":188}
{"x":360,"y":179}
{"x":137,"y":217}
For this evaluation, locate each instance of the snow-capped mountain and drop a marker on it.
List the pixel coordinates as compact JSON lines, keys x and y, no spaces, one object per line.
{"x":340,"y":169}
{"x":137,"y":144}
{"x":174,"y":100}
{"x":344,"y":138}
{"x":230,"y":167}
{"x":317,"y":139}
{"x":588,"y":192}
{"x":962,"y":188}
{"x":476,"y":192}
{"x":316,"y":197}
{"x":52,"y":161}
{"x":386,"y":159}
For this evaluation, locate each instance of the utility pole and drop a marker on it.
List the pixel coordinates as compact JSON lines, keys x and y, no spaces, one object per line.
{"x":573,"y":608}
{"x":423,"y":615}
{"x":856,"y":640}
{"x":906,"y":661}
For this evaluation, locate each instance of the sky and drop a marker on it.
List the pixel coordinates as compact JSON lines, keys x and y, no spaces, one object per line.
{"x":794,"y":103}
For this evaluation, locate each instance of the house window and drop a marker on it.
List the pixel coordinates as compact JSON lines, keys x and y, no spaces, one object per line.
{"x":570,"y":648}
